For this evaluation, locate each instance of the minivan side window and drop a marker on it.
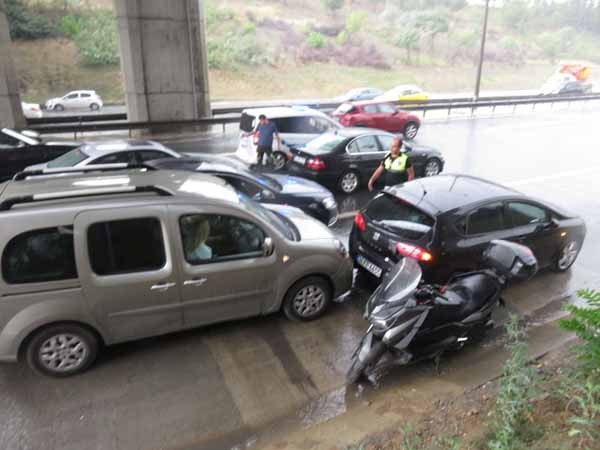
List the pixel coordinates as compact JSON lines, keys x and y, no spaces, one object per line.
{"x":211,"y":238}
{"x":40,"y":255}
{"x":486,"y":219}
{"x":126,"y":246}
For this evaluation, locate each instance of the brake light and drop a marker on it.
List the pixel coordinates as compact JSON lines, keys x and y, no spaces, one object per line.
{"x":412,"y":251}
{"x":360,"y":223}
{"x":315,"y":163}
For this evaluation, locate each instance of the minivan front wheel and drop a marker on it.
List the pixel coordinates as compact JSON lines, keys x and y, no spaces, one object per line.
{"x":307,"y":299}
{"x":62,"y":350}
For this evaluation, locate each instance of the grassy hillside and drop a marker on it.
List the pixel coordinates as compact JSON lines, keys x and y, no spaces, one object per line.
{"x":299,"y":48}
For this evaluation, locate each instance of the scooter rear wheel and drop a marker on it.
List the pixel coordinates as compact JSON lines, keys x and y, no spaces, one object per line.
{"x":360,"y":368}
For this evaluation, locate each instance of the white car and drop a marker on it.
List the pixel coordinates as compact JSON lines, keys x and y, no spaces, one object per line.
{"x":76,"y":100}
{"x":31,"y":110}
{"x":296,"y":125}
{"x":364,"y":93}
{"x":133,"y":152}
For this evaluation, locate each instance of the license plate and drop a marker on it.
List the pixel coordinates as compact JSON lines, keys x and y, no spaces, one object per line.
{"x":300,"y":160}
{"x":369,"y":266}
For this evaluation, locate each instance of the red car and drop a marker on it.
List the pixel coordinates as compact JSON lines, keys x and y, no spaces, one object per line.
{"x":384,"y":116}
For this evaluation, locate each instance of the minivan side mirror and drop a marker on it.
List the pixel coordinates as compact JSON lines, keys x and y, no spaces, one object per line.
{"x":268,"y":247}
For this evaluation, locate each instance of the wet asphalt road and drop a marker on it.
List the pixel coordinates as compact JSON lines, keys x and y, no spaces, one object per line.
{"x":221,"y":385}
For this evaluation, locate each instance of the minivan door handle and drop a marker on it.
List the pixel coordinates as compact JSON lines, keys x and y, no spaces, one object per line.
{"x":162,"y":286}
{"x":195,"y":282}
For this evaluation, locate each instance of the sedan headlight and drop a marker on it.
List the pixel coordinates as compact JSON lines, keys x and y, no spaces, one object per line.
{"x":340,"y":248}
{"x":329,"y":203}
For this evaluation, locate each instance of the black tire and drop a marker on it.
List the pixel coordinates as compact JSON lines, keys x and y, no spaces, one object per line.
{"x":345,"y":185}
{"x":58,"y":108}
{"x":410,"y":130}
{"x":296,"y":308}
{"x":277,"y":158}
{"x":359,"y":368}
{"x":94,"y":106}
{"x":559,"y":265}
{"x":430,"y":162}
{"x":67,"y":334}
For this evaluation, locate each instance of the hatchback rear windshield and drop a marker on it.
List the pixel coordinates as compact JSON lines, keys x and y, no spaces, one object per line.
{"x":399,"y":217}
{"x":246,"y":122}
{"x":69,"y":159}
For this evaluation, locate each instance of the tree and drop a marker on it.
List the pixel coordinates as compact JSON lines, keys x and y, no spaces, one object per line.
{"x":333,"y":5}
{"x":433,"y":24}
{"x":409,"y":40}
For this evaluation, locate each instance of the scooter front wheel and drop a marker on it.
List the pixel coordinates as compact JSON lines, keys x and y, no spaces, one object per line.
{"x":359,"y":368}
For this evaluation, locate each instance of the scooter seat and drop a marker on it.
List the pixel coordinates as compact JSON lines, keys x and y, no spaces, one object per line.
{"x":471,"y":293}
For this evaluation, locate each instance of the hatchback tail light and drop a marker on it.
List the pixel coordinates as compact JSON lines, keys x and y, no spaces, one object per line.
{"x":360,"y":223}
{"x":412,"y":251}
{"x":315,"y":163}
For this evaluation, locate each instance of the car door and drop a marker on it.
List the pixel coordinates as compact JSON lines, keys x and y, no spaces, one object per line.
{"x":388,"y":118}
{"x":369,"y":116}
{"x":532,"y":226}
{"x":224,"y":271}
{"x":366,"y":154}
{"x":71,"y":100}
{"x":125,"y":263}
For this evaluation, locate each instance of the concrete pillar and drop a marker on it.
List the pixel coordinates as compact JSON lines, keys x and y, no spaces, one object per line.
{"x":163,"y":59}
{"x":11,"y":113}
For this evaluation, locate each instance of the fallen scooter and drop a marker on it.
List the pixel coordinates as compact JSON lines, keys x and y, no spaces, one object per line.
{"x":411,"y":321}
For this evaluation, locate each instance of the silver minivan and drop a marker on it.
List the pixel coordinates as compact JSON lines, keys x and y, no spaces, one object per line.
{"x":105,"y":257}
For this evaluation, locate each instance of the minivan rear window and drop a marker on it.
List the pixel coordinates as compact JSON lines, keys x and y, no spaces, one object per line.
{"x":398,"y":216}
{"x":246,"y":122}
{"x":39,"y":256}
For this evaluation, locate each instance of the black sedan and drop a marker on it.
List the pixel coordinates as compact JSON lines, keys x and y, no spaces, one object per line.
{"x":447,"y":221}
{"x":347,"y":158}
{"x":21,"y":149}
{"x":312,"y":198}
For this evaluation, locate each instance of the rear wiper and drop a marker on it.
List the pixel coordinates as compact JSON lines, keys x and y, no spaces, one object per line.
{"x":385,"y":226}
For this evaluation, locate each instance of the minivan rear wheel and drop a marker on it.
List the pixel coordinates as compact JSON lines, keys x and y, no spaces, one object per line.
{"x":62,"y":350}
{"x":307,"y":299}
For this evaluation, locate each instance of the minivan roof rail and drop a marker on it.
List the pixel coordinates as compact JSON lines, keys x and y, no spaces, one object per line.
{"x":61,"y":195}
{"x":23,"y":175}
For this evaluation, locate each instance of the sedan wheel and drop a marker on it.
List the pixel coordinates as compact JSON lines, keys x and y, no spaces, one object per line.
{"x":94,"y":107}
{"x":59,"y":108}
{"x":567,"y":256}
{"x":279,"y":160}
{"x":410,"y":130}
{"x":307,"y":299}
{"x":432,"y":168}
{"x":349,"y":182}
{"x":62,"y":350}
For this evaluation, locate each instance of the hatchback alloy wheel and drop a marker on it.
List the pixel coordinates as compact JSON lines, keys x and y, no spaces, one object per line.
{"x":309,"y":301}
{"x":349,"y":182}
{"x":410,"y":131}
{"x":567,"y":256}
{"x":432,"y":168}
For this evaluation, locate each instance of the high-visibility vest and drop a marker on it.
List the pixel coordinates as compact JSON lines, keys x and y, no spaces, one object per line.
{"x":395,"y":165}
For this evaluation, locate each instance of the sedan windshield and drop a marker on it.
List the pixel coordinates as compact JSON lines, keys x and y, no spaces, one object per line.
{"x":69,"y":159}
{"x":324,"y":143}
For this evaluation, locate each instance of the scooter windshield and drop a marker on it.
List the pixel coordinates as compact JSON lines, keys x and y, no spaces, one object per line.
{"x":401,"y":281}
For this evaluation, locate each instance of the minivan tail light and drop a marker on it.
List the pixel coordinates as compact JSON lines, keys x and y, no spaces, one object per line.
{"x":360,"y":223}
{"x":315,"y":163}
{"x":412,"y":251}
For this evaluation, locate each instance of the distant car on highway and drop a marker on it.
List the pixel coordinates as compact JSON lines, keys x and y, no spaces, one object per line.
{"x":364,"y":93}
{"x":21,"y":149}
{"x":31,"y":110}
{"x":296,"y":125}
{"x":269,"y":188}
{"x":403,"y":92}
{"x":447,"y":221}
{"x":109,"y":152}
{"x":75,"y":100}
{"x":347,"y":158}
{"x":383,"y":116}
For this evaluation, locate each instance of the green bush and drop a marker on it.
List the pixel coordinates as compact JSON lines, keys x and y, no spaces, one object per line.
{"x":215,"y":15}
{"x":585,"y":322}
{"x":97,"y":39}
{"x":234,"y":49}
{"x":24,"y":23}
{"x":70,"y":26}
{"x":356,"y":21}
{"x":342,"y":37}
{"x":332,"y":5}
{"x":316,"y":40}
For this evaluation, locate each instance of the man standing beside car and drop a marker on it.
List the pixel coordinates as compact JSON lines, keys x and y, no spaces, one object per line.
{"x":266,"y":130}
{"x":395,"y":165}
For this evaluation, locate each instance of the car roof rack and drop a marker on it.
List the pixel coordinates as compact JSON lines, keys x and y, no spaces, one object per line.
{"x":23,"y":175}
{"x":61,"y":195}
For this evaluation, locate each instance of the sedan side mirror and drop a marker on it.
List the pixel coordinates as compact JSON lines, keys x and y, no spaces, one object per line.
{"x":553,"y":224}
{"x":268,"y":247}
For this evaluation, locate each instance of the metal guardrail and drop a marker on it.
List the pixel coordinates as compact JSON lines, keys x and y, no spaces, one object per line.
{"x":223,"y":116}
